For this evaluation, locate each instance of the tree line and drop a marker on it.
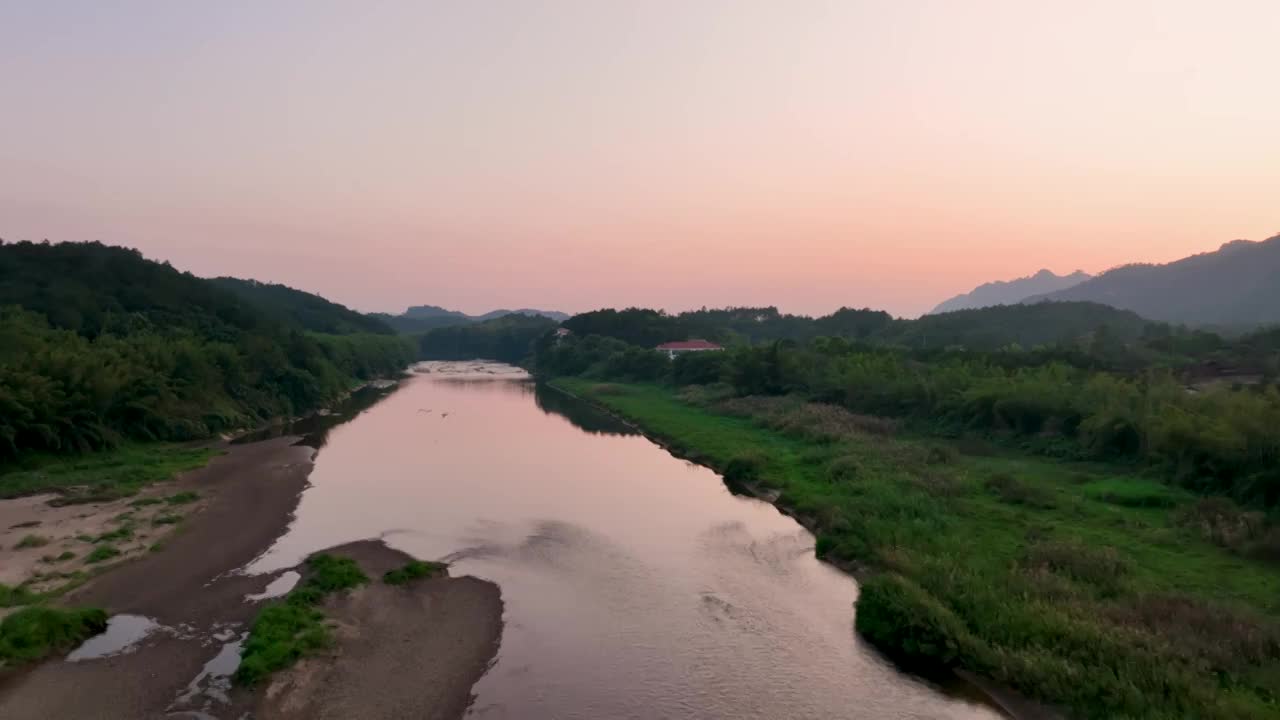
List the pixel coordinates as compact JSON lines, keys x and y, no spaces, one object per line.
{"x":1110,"y":395}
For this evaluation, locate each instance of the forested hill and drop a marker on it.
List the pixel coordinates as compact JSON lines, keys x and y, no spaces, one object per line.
{"x":303,"y":309}
{"x":423,"y":318}
{"x":985,"y":329}
{"x":1011,"y":292}
{"x":1237,"y":285}
{"x":98,"y":345}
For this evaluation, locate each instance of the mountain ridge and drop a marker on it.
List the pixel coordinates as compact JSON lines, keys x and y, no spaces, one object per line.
{"x":1010,"y":292}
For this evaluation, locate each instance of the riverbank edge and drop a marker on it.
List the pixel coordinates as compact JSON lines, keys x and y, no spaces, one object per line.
{"x":456,"y":624}
{"x":1007,"y":700}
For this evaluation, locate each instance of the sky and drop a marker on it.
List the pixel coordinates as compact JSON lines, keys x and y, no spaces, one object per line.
{"x":667,"y":153}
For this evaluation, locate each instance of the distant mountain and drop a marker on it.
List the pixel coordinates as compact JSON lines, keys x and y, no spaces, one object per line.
{"x":1236,"y":285}
{"x":549,"y":314}
{"x":421,"y":318}
{"x":433,"y":311}
{"x":1009,"y":292}
{"x":305,"y":309}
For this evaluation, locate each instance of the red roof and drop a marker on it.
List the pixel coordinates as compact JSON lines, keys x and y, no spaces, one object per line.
{"x":690,"y":345}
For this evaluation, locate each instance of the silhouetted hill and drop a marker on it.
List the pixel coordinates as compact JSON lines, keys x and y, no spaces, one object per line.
{"x":1239,"y":284}
{"x":422,"y":318}
{"x":311,"y":312}
{"x":990,"y":328}
{"x":1009,"y":292}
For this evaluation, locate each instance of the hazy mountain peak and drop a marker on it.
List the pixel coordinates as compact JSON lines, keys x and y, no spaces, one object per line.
{"x":1234,"y":285}
{"x":1009,"y":292}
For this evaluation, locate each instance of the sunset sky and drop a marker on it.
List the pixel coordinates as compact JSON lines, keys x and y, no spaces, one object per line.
{"x":574,"y":155}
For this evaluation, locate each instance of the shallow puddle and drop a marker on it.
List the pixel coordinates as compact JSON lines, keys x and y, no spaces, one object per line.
{"x":122,"y":635}
{"x":276,"y":588}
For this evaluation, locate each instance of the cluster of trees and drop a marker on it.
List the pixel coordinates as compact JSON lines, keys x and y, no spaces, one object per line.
{"x":509,"y":338}
{"x":1065,"y":399}
{"x":98,"y":344}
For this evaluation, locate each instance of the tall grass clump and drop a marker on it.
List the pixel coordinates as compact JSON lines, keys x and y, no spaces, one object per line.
{"x":285,"y":632}
{"x":35,"y":632}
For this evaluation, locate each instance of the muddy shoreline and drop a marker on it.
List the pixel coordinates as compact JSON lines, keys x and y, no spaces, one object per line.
{"x":192,"y":590}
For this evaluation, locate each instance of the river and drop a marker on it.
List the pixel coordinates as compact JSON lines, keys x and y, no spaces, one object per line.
{"x":635,"y":584}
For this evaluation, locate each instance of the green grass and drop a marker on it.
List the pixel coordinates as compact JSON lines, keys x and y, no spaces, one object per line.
{"x":31,"y":541}
{"x":166,"y":519}
{"x":14,"y":596}
{"x":35,"y":632}
{"x":103,"y":475}
{"x":415,"y":570}
{"x":286,"y":631}
{"x":1077,"y":584}
{"x":183,"y":498}
{"x":101,"y":553}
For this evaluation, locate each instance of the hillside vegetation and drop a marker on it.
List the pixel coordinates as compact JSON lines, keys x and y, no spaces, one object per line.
{"x":302,"y":309}
{"x":1235,"y":286}
{"x":99,"y":345}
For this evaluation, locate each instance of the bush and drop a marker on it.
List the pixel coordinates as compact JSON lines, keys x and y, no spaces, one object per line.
{"x":31,"y":541}
{"x":1017,"y":492}
{"x":908,"y":624}
{"x":414,"y":570}
{"x":743,"y":468}
{"x":35,"y":632}
{"x":844,"y":469}
{"x":102,"y":552}
{"x":1101,"y":567}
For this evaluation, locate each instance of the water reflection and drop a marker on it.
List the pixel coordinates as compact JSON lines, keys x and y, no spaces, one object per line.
{"x":314,"y":428}
{"x":635,"y":584}
{"x":582,"y":415}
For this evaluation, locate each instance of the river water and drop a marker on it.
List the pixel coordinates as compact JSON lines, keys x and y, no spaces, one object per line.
{"x":635,"y":584}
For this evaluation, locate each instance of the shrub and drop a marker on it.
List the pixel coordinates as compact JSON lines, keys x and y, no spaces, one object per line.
{"x":941,"y":455}
{"x":908,"y":624}
{"x":183,"y":498}
{"x":31,"y":541}
{"x":844,"y":469}
{"x":35,"y":632}
{"x":1222,"y":522}
{"x":1101,"y":567}
{"x":414,"y":570}
{"x":102,"y":552}
{"x":743,"y":468}
{"x":328,"y":573}
{"x":1017,"y":492}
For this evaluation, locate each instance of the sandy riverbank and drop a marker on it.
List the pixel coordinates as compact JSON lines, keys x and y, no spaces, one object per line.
{"x":190,"y":589}
{"x":402,"y":651}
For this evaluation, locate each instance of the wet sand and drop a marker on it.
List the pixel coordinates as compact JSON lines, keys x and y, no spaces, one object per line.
{"x":189,"y":588}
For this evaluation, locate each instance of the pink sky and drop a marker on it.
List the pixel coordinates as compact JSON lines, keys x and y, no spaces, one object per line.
{"x":574,"y":155}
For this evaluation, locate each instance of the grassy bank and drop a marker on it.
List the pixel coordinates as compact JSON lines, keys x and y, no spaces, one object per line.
{"x":36,"y":632}
{"x":1086,"y":586}
{"x":104,"y":475}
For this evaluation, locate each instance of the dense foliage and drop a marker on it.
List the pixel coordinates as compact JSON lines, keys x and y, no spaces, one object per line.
{"x":98,"y":345}
{"x":303,"y":309}
{"x":509,"y":338}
